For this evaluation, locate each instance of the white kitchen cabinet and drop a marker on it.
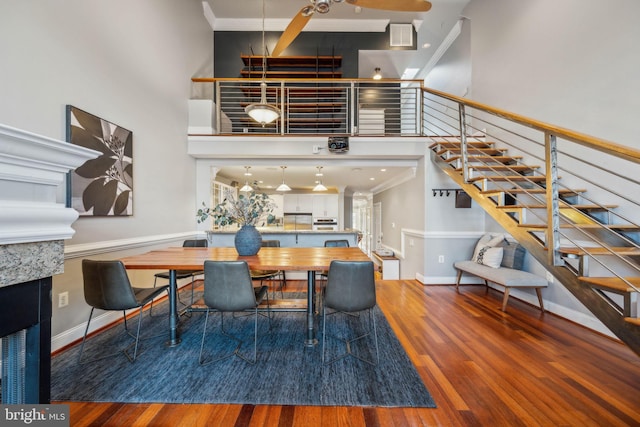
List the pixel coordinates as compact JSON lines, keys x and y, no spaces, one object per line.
{"x":325,"y":206}
{"x":299,"y":203}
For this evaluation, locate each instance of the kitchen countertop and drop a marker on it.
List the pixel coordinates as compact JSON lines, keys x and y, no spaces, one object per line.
{"x":277,"y":230}
{"x":287,"y":238}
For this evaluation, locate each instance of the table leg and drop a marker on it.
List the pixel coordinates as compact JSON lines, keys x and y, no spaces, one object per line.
{"x":311,"y":291}
{"x":174,"y":336}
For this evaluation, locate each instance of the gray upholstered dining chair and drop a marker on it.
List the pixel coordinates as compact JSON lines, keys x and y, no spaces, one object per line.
{"x":322,"y":275}
{"x":350,"y":289}
{"x":107,"y":287}
{"x":339,"y":243}
{"x":228,"y":289}
{"x":270,"y":275}
{"x":183,"y":274}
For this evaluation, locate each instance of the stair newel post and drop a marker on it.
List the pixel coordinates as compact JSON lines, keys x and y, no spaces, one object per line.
{"x":553,"y":211}
{"x":463,"y":143}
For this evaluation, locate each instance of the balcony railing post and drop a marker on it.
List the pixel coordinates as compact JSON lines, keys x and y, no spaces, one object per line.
{"x":283,"y":113}
{"x":463,"y":142}
{"x":553,"y":211}
{"x":218,"y":107}
{"x":352,"y":113}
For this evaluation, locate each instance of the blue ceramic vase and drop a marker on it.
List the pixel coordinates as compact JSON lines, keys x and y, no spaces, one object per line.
{"x":248,"y":240}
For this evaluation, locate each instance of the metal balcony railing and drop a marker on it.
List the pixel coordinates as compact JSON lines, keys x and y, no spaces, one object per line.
{"x":320,"y":106}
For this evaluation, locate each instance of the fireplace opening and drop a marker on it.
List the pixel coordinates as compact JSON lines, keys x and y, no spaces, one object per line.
{"x":25,"y":335}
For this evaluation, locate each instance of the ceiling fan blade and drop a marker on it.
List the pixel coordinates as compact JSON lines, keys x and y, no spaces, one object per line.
{"x":291,"y":32}
{"x":394,"y":5}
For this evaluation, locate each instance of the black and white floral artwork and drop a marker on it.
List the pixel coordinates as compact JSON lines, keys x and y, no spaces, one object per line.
{"x":101,"y":186}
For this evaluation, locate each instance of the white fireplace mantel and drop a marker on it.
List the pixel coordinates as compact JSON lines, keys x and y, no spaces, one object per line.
{"x":32,"y":167}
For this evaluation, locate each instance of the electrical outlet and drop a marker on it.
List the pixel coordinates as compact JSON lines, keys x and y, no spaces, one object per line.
{"x":549,"y":277}
{"x":441,"y":259}
{"x":63,"y":299}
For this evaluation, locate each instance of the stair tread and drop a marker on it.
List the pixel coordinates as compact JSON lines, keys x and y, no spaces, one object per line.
{"x":563,"y":205}
{"x":563,"y":191}
{"x":497,"y":159}
{"x":621,"y":227}
{"x":535,"y":178}
{"x":613,"y":283}
{"x":501,"y":167}
{"x":472,"y":150}
{"x":599,"y":250}
{"x":479,"y":144}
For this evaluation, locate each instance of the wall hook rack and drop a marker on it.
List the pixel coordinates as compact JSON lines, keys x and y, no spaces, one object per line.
{"x":444,"y":191}
{"x":463,"y":200}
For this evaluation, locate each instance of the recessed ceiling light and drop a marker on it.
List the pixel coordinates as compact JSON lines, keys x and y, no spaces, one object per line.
{"x":383,"y":170}
{"x":372,"y":179}
{"x":356,"y":170}
{"x":426,"y":45}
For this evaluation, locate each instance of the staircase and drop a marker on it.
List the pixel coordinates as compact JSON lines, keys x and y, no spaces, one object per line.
{"x":588,"y":248}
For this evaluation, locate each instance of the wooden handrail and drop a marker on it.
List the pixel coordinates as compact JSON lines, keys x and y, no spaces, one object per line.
{"x":297,"y":81}
{"x":599,"y":144}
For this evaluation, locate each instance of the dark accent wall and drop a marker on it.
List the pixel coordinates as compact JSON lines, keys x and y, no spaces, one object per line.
{"x":229,"y":45}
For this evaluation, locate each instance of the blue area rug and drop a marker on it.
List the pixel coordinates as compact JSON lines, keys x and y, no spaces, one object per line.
{"x":286,"y":373}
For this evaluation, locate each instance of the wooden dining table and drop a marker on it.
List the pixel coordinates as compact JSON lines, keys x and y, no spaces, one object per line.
{"x":310,"y":260}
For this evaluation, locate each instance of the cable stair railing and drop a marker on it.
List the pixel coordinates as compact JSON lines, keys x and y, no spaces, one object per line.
{"x":591,"y":248}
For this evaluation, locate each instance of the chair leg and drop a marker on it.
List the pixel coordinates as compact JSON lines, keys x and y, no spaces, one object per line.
{"x":505,"y":299}
{"x":204,"y":332}
{"x":458,"y":281}
{"x":151,"y":306}
{"x":202,"y":361}
{"x":84,"y":337}
{"x":375,"y":334}
{"x":324,"y":330}
{"x":539,"y":293}
{"x":185,"y":311}
{"x":236,"y":352}
{"x":135,"y":349}
{"x":135,"y":337}
{"x":348,"y":342}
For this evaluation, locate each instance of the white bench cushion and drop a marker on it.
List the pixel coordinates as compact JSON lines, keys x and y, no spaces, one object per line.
{"x":503,"y":276}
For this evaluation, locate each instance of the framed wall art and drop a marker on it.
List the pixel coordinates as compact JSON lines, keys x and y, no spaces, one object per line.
{"x":101,"y":186}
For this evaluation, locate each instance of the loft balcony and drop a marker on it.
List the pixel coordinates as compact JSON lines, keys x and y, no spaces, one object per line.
{"x":349,"y":107}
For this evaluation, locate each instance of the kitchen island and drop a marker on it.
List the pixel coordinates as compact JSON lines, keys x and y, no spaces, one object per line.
{"x":287,"y":238}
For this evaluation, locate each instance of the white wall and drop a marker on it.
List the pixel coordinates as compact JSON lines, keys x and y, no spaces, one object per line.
{"x":573,"y":63}
{"x":129,"y":63}
{"x":403,"y":222}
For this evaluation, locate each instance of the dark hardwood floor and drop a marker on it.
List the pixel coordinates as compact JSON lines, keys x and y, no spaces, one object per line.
{"x":483,"y":367}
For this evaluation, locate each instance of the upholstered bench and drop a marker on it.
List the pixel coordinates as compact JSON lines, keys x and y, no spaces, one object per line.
{"x":493,"y":260}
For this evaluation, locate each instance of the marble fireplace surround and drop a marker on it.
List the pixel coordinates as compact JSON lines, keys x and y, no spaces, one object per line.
{"x":33,"y":225}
